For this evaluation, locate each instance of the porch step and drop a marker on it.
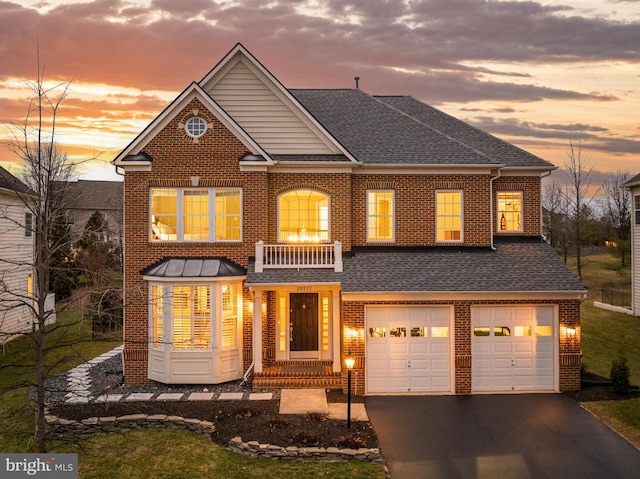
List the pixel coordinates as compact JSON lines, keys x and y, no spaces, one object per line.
{"x":298,"y":374}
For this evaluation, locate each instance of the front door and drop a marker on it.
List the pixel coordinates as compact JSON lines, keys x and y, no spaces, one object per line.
{"x":304,"y":325}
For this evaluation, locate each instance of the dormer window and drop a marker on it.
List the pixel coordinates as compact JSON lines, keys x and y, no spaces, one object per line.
{"x":196,"y":126}
{"x":303,"y":217}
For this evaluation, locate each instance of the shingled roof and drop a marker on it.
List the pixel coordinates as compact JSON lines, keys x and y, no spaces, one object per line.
{"x":402,"y":130}
{"x":10,"y":182}
{"x":517,"y":265}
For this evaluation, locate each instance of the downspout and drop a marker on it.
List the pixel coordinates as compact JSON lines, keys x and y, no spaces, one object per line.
{"x":542,"y":212}
{"x":493,"y":178}
{"x":246,"y":375}
{"x":124,"y":373}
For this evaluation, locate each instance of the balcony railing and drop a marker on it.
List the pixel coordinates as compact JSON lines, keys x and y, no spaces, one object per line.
{"x":298,"y":256}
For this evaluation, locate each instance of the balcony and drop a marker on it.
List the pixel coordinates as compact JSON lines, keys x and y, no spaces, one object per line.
{"x":298,"y":256}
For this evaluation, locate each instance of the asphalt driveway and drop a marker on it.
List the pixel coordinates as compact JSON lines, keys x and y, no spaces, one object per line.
{"x":497,"y":436}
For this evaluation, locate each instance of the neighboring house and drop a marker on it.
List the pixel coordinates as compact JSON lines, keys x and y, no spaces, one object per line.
{"x":85,"y":197}
{"x":275,"y":232}
{"x":16,"y":257}
{"x":634,"y":187}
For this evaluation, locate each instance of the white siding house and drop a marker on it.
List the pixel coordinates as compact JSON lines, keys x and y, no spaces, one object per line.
{"x":16,"y":258}
{"x":634,"y":187}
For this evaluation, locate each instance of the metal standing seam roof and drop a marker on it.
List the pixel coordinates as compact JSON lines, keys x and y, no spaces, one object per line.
{"x":518,"y":265}
{"x":194,"y":268}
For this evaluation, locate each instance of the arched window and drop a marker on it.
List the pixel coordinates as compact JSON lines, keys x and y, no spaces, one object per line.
{"x":303,"y":216}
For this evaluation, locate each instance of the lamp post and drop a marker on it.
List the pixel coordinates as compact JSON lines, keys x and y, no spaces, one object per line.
{"x":349,"y":361}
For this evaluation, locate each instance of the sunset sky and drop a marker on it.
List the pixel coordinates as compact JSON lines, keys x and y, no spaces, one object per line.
{"x":535,"y":73}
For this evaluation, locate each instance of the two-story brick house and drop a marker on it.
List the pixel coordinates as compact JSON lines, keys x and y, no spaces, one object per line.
{"x":272,"y":232}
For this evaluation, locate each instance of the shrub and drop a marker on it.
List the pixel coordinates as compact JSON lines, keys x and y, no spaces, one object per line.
{"x":620,"y":374}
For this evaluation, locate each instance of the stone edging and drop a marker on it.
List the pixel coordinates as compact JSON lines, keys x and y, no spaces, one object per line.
{"x":68,"y":428}
{"x":99,"y":425}
{"x":296,"y":454}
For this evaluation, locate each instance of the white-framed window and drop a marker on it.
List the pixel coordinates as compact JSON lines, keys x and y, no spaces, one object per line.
{"x":196,"y":126}
{"x":191,"y":317}
{"x":380,"y":215}
{"x":636,"y":201}
{"x":229,"y":315}
{"x":509,"y":215}
{"x":157,"y":299}
{"x":303,"y":216}
{"x":196,"y":214}
{"x":28,"y":224}
{"x":449,"y":219}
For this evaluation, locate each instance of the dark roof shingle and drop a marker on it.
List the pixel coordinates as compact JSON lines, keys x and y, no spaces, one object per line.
{"x":518,"y":265}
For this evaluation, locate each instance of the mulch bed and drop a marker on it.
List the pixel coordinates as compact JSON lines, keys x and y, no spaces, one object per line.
{"x":251,"y":420}
{"x":597,"y":388}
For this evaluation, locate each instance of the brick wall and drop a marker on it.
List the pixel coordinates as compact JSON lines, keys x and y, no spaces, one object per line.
{"x":415,"y":206}
{"x":353,"y":316}
{"x":530,"y":188}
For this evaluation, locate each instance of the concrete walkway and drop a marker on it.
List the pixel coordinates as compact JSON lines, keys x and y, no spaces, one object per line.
{"x":292,"y":401}
{"x":305,"y":401}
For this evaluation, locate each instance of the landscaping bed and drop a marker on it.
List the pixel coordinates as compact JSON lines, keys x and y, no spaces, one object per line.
{"x":251,"y":420}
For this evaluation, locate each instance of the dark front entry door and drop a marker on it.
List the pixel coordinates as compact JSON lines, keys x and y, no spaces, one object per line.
{"x":304,"y":322}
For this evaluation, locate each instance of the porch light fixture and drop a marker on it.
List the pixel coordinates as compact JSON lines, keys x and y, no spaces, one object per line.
{"x":349,"y":361}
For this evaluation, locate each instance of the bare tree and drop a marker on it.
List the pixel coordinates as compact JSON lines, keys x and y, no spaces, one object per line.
{"x":617,"y":204}
{"x":46,"y":172}
{"x":617,"y":213}
{"x":556,"y":217}
{"x":578,"y":169}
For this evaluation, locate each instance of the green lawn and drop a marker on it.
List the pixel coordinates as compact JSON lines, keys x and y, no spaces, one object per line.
{"x":604,"y":331}
{"x":161,"y":453}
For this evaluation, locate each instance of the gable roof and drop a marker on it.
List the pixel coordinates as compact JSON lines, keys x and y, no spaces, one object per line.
{"x":355,"y":127}
{"x":11,"y":183}
{"x":194,"y":90}
{"x":635,"y":181}
{"x":94,"y":195}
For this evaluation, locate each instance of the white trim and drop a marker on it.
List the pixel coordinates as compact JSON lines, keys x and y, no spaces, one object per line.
{"x":211,"y":216}
{"x":194,"y":91}
{"x":450,"y":190}
{"x":426,"y":169}
{"x":498,"y":218}
{"x":393,"y":216}
{"x":526,"y":170}
{"x":462,"y":296}
{"x":240,"y":53}
{"x":315,"y":190}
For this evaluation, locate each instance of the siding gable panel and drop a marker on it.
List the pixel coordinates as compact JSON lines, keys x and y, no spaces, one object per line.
{"x":265,"y":116}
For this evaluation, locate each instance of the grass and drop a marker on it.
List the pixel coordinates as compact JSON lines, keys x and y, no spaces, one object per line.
{"x":602,"y":334}
{"x":161,"y":453}
{"x":604,"y":331}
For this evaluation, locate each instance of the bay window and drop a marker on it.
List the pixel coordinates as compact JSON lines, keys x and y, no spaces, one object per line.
{"x":196,"y":214}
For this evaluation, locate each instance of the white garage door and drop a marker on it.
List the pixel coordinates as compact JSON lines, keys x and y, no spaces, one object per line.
{"x":512,"y":348}
{"x":408,"y":349}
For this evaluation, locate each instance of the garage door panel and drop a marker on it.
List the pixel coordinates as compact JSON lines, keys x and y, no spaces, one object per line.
{"x":502,"y":347}
{"x":421,"y":347}
{"x":411,"y":356}
{"x":517,"y":353}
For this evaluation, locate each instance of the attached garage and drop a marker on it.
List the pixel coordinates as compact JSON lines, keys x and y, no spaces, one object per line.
{"x":513,"y":348}
{"x":408,"y":349}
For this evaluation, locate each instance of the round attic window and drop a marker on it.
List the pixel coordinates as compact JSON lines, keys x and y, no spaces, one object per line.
{"x":196,"y":126}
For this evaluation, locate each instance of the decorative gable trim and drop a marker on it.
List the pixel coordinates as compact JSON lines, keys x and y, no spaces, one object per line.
{"x":173,"y":110}
{"x":239,"y":54}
